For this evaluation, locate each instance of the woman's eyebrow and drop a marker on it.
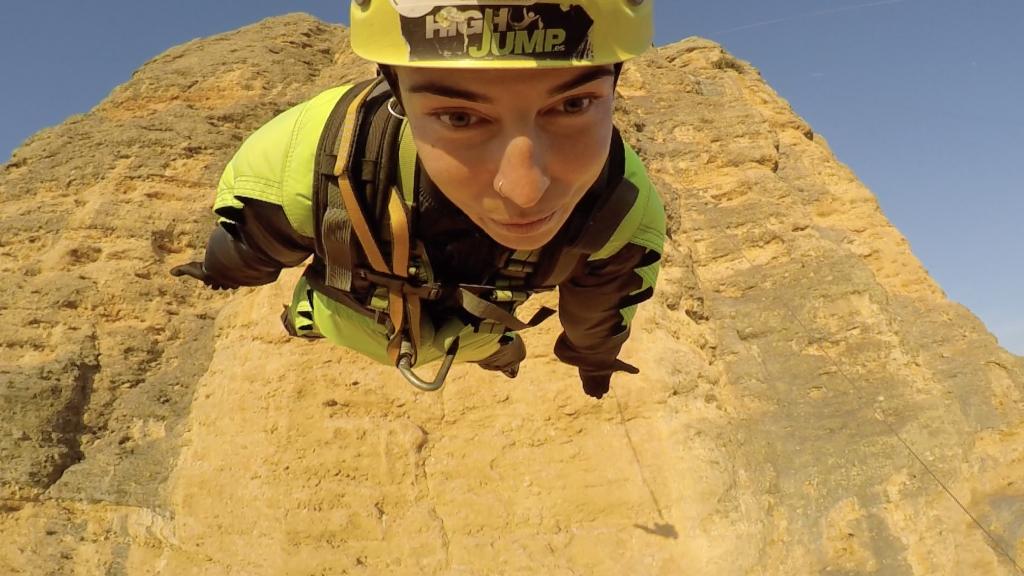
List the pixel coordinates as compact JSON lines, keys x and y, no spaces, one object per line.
{"x":445,"y":91}
{"x":586,"y":77}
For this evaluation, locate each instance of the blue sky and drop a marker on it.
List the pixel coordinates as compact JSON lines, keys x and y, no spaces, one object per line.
{"x":919,"y":97}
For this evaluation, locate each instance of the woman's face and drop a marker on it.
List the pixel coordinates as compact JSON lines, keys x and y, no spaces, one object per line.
{"x":513,"y":149}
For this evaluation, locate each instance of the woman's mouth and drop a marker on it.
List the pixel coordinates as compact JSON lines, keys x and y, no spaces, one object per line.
{"x":524,"y":227}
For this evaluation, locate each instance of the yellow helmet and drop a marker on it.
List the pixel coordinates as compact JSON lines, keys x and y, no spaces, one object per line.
{"x":500,"y":33}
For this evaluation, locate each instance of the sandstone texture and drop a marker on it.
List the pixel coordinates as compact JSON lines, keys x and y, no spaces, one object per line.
{"x":810,"y":401}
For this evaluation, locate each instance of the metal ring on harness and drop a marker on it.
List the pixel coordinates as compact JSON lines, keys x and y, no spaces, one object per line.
{"x":390,"y":105}
{"x":405,"y":366}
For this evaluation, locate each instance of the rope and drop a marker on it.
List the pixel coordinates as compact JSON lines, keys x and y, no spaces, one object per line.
{"x":663,"y":528}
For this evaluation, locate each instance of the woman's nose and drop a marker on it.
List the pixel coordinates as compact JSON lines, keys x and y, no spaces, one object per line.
{"x":520,"y":178}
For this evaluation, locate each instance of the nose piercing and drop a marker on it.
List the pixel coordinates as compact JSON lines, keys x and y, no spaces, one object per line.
{"x":501,"y":182}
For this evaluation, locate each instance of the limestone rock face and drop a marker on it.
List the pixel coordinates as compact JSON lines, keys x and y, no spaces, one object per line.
{"x":810,"y":402}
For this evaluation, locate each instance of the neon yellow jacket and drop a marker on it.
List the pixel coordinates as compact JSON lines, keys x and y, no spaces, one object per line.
{"x":264,"y":204}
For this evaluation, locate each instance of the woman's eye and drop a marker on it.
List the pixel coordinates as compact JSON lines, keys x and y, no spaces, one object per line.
{"x":458,"y":119}
{"x":577,"y":105}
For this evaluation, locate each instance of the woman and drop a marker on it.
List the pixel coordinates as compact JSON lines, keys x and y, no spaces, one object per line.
{"x":504,"y":176}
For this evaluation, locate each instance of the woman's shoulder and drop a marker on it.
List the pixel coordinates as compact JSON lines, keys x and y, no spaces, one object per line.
{"x":275,"y":163}
{"x":644,"y":223}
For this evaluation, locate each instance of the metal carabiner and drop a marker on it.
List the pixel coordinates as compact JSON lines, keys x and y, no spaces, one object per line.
{"x":405,"y":366}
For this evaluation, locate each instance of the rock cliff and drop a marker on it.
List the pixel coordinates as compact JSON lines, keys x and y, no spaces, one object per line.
{"x":810,"y":402}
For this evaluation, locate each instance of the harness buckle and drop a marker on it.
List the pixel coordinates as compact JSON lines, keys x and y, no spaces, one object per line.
{"x":434,"y":292}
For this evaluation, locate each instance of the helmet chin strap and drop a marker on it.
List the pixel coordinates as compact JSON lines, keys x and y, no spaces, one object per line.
{"x":388,"y":72}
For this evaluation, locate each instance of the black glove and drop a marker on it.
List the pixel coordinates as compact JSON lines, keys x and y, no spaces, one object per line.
{"x":596,"y":385}
{"x":197,"y":271}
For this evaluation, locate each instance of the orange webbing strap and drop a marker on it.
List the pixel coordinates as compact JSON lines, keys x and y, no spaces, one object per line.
{"x":348,"y":128}
{"x":399,"y":219}
{"x":415,"y":301}
{"x":348,"y":195}
{"x":361,"y":226}
{"x":396,"y":311}
{"x":414,"y":320}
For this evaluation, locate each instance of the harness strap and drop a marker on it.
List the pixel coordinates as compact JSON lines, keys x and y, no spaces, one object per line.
{"x":407,"y":163}
{"x":415,"y":317}
{"x":334,"y":242}
{"x":357,"y":217}
{"x":406,"y":193}
{"x":485,"y":310}
{"x":605,"y":220}
{"x":341,"y":296}
{"x":617,"y":197}
{"x":392,"y":282}
{"x":521,"y":264}
{"x":338,"y":247}
{"x":399,"y":218}
{"x":379,"y":162}
{"x":596,"y":225}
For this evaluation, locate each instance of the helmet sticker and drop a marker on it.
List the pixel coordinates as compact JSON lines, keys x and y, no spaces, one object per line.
{"x":461,"y":30}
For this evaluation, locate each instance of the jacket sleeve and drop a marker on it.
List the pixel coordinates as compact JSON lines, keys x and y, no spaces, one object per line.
{"x":252,"y":245}
{"x":264,"y":197}
{"x":599,"y":299}
{"x":597,"y":304}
